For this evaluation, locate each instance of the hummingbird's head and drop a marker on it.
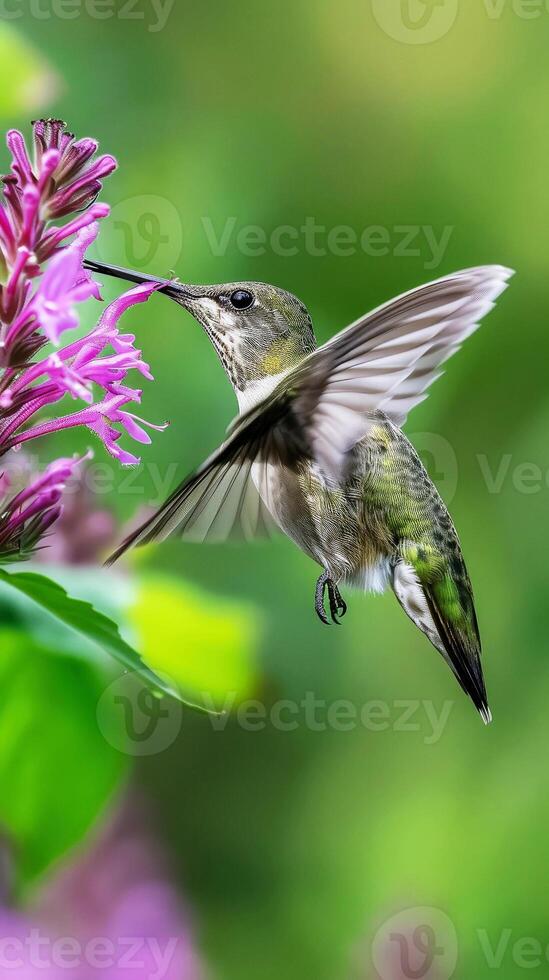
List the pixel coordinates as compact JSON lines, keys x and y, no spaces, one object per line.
{"x":257,"y":330}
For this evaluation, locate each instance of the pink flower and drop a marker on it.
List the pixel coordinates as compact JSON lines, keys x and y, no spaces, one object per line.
{"x":26,"y":517}
{"x":42,"y":283}
{"x":64,"y":284}
{"x":74,"y":370}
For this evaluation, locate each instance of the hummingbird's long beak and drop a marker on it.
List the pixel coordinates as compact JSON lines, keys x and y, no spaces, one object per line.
{"x":174,"y":290}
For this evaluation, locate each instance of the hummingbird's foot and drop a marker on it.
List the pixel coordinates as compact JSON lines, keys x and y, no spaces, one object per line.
{"x":338,"y":607}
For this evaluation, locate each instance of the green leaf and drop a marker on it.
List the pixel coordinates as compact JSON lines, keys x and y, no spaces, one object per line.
{"x":90,"y":623}
{"x":27,"y":82}
{"x":57,"y":770}
{"x":208,"y":644}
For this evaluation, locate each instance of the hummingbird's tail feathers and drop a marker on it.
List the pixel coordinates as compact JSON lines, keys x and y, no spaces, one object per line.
{"x":459,"y":635}
{"x":443,"y":610}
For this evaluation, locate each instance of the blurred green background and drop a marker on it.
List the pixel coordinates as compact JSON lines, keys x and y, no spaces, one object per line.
{"x":294,"y":847}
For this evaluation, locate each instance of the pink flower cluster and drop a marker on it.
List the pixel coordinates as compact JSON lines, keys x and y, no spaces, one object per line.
{"x":42,"y":281}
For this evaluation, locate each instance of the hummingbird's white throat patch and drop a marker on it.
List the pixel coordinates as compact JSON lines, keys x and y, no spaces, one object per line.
{"x":256,"y":391}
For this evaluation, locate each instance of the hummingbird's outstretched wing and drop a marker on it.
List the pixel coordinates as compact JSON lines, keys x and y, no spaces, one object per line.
{"x":324,"y":406}
{"x":221,"y":500}
{"x":386,"y":360}
{"x":218,"y":503}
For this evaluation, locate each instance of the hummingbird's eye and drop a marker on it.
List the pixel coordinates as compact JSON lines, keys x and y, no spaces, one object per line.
{"x":241,"y":299}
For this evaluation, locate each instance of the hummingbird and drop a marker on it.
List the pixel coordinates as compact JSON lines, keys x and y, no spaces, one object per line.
{"x":317,"y":449}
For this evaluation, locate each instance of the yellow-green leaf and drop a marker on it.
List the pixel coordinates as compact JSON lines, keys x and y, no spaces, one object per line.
{"x":206,"y":644}
{"x":27,"y":83}
{"x":90,"y":623}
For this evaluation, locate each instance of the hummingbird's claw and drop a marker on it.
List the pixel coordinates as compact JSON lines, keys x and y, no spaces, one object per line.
{"x":338,"y":607}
